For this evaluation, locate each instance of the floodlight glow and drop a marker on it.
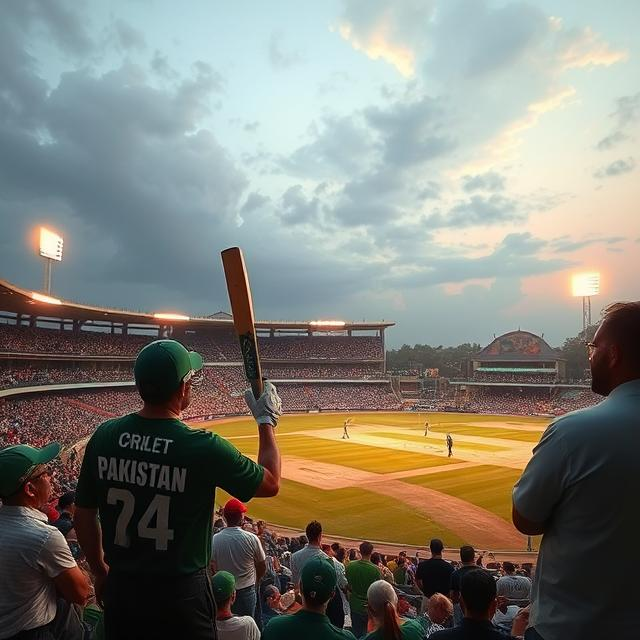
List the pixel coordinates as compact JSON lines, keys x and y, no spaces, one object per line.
{"x":327,"y":323}
{"x":50,"y":244}
{"x":170,"y":316}
{"x":584,"y":285}
{"x":40,"y":297}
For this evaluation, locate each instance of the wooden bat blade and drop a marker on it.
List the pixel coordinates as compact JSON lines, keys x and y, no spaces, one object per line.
{"x":235,"y":273}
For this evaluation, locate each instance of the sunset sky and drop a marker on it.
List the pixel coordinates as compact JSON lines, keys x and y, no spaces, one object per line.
{"x":443,"y":164}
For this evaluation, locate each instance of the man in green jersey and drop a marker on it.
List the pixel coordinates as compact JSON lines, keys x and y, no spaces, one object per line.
{"x":317,"y":585}
{"x":361,"y":574}
{"x":152,"y":481}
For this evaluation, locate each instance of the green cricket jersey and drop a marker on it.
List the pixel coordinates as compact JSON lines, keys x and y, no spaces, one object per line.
{"x":154,"y":483}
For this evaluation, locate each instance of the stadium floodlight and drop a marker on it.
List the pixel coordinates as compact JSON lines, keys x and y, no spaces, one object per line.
{"x":50,"y":249}
{"x":585,"y":285}
{"x":50,"y":244}
{"x":42,"y":298}
{"x":170,"y":316}
{"x":327,"y":323}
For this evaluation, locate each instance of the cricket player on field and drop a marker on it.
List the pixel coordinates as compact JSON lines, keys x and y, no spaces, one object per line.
{"x":152,"y":481}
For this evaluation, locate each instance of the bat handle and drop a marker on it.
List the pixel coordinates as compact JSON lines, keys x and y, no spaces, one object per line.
{"x":257,"y":387}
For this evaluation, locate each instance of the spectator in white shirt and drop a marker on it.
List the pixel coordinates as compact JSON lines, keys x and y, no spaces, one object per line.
{"x":35,"y":561}
{"x":241,"y":554}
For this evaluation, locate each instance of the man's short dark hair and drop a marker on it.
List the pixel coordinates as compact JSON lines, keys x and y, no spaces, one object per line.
{"x":509,"y":566}
{"x":375,"y":557}
{"x":151,"y":394}
{"x":335,"y":546}
{"x":478,"y":590}
{"x":467,"y":553}
{"x":623,"y":327}
{"x":436,"y":545}
{"x":313,"y":531}
{"x":366,"y":548}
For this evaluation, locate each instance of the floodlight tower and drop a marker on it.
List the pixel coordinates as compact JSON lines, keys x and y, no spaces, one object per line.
{"x":50,"y":249}
{"x":585,"y":285}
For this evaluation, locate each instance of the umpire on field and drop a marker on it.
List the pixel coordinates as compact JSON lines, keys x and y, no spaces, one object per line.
{"x":145,"y":500}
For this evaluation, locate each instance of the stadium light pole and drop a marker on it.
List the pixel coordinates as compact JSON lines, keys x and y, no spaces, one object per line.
{"x":586,"y":285}
{"x":50,"y":249}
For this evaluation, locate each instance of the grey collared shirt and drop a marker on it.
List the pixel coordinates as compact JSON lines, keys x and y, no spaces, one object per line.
{"x":583,"y":482}
{"x":32,"y":553}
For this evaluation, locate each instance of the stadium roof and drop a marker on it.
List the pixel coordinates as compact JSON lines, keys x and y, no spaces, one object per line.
{"x":17,"y":300}
{"x":517,"y":346}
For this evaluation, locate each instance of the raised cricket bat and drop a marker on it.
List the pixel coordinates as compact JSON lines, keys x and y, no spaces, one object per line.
{"x":235,"y":272}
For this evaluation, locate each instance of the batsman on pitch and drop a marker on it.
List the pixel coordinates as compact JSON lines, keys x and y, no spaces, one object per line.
{"x":151,"y":480}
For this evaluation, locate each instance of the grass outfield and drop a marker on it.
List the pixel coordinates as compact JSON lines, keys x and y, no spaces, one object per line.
{"x":487,"y":432}
{"x":487,"y":486}
{"x":360,"y":511}
{"x":429,"y":440}
{"x":351,"y":512}
{"x":348,"y":454}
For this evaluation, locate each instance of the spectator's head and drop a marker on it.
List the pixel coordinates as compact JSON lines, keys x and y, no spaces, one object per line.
{"x":223,"y":585}
{"x":353,"y":555}
{"x":366,"y":549}
{"x":478,"y":594}
{"x":25,"y":478}
{"x":272,"y":596}
{"x":375,"y":558}
{"x":467,"y":554}
{"x":340,"y":554}
{"x":402,"y":554}
{"x":436,"y":547}
{"x":164,"y":372}
{"x":234,"y":511}
{"x":439,"y":608}
{"x":614,"y":353}
{"x":261,"y":526}
{"x":382,"y":603}
{"x":314,"y":532}
{"x":318,"y":581}
{"x":509,"y":568}
{"x":67,"y":502}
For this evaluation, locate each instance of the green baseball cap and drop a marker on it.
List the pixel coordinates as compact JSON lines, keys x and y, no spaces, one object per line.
{"x":18,"y":461}
{"x":318,"y":578}
{"x":223,"y":584}
{"x":164,"y":364}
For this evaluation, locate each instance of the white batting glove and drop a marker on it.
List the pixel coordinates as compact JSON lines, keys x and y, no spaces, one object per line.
{"x":268,"y":407}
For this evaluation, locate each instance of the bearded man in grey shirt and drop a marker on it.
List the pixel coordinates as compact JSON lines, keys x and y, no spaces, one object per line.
{"x":580,"y":491}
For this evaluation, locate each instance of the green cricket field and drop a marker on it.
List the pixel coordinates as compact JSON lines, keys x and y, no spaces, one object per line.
{"x":390,"y":482}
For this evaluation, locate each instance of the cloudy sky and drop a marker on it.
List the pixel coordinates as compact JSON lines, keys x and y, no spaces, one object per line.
{"x":447,"y":164}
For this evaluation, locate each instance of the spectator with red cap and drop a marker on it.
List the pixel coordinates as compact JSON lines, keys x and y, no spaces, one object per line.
{"x":241,"y":554}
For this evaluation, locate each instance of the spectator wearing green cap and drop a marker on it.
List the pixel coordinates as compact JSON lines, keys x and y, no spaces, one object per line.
{"x":230,"y":626}
{"x":35,"y":560}
{"x":318,"y":581}
{"x":152,"y":481}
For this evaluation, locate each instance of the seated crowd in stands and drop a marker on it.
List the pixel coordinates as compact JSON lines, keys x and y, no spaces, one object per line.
{"x":532,"y":378}
{"x":215,"y":346}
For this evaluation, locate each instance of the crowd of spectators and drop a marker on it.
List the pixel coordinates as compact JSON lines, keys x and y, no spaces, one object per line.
{"x":320,"y":372}
{"x":523,"y":401}
{"x":215,"y":346}
{"x":518,"y":378}
{"x":26,"y":375}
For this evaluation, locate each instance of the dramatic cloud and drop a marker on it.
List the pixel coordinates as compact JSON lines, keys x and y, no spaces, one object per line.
{"x":489,"y":181}
{"x":480,"y":210}
{"x":393,"y":32}
{"x":626,"y":115}
{"x":617,"y":168}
